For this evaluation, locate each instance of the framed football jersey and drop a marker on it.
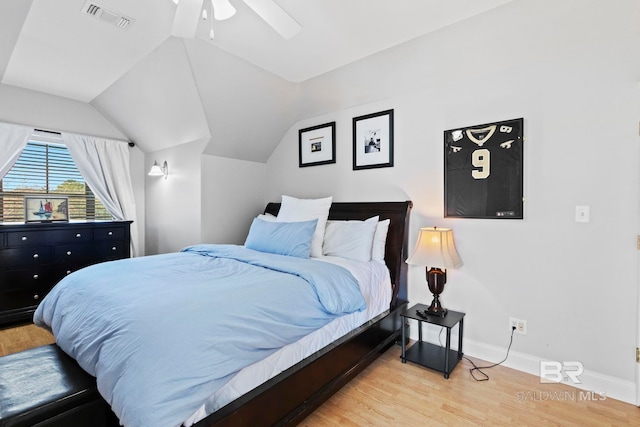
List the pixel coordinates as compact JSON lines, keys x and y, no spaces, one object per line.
{"x":483,"y":171}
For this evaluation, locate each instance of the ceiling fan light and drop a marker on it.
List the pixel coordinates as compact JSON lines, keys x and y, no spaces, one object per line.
{"x":222,"y":9}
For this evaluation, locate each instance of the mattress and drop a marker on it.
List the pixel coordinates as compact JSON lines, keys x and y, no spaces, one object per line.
{"x":375,"y":285}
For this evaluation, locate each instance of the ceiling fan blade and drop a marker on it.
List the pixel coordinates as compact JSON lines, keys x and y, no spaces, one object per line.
{"x":187,"y":17}
{"x":275,"y":16}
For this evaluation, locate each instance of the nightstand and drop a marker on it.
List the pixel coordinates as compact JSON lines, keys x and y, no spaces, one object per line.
{"x":432,"y":356}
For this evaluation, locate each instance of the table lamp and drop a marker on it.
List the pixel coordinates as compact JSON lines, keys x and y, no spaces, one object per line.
{"x":435,"y":248}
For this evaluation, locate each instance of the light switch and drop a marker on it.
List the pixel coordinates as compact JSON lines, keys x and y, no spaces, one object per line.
{"x":582,"y":213}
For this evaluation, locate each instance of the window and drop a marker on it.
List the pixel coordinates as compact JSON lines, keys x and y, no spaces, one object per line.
{"x":46,"y":167}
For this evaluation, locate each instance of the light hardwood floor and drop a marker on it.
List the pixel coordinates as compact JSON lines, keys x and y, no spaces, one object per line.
{"x":390,"y":393}
{"x":13,"y":340}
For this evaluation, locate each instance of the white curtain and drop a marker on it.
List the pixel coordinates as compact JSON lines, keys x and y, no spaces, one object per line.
{"x":13,"y":139}
{"x":104,"y":164}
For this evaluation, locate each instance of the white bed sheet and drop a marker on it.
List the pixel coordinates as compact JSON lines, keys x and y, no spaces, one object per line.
{"x":375,"y":285}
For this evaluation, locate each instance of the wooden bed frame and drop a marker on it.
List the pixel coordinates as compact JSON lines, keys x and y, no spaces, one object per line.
{"x":293,"y":394}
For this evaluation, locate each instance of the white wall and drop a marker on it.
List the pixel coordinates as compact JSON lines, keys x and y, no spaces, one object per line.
{"x":50,"y":112}
{"x":232,"y":195}
{"x":205,"y":199}
{"x":157,"y":102}
{"x":574,"y":78}
{"x":173,"y":205}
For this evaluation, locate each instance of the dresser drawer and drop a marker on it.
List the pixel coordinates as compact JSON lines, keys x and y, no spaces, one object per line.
{"x":28,"y":278}
{"x":78,"y":235}
{"x":23,"y":257}
{"x":109,"y":233}
{"x":110,"y":250}
{"x":20,"y":299}
{"x":74,"y":254}
{"x":25,"y":238}
{"x":38,"y":237}
{"x":62,"y":270}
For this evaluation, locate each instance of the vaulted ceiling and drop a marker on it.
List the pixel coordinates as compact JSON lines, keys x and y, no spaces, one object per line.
{"x":239,"y":91}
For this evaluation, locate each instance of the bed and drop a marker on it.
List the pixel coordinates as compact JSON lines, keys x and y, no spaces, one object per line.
{"x":280,"y":398}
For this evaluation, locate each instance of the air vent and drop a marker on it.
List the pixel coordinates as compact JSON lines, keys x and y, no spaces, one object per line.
{"x":110,"y":17}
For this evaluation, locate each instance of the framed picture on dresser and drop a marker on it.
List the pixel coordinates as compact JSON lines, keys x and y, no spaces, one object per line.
{"x":483,"y":171}
{"x":46,"y":209}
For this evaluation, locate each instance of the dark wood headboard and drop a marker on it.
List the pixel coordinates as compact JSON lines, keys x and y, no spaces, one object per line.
{"x":396,"y":251}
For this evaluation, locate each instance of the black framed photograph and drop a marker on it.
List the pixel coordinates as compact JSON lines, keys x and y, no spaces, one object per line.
{"x":483,"y":171}
{"x":373,"y":140}
{"x":317,"y":145}
{"x":46,"y":209}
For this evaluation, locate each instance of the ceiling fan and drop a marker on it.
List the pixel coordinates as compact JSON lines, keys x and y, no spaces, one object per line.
{"x":188,"y":13}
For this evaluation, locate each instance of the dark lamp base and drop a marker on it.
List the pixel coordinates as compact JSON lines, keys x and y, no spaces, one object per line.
{"x":436,"y":278}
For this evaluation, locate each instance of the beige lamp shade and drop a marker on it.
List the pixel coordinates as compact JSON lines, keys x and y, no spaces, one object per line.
{"x":435,"y":248}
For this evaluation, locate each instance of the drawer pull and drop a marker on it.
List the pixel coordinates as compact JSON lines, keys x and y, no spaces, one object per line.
{"x":35,"y":276}
{"x":24,"y":238}
{"x":78,"y":235}
{"x":110,"y":233}
{"x":68,"y":252}
{"x":114,"y":248}
{"x":36,"y":256}
{"x":36,"y":297}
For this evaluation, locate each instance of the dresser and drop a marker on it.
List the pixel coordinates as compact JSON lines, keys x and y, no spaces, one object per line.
{"x":35,"y":256}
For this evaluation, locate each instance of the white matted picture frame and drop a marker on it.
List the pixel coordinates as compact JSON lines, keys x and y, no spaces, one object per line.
{"x":317,"y":145}
{"x":373,"y":140}
{"x":46,"y":209}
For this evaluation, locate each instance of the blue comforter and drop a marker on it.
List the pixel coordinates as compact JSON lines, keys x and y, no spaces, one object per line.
{"x":161,"y":333}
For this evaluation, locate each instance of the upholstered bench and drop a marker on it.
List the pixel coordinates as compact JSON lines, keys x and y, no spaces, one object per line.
{"x":45,"y":387}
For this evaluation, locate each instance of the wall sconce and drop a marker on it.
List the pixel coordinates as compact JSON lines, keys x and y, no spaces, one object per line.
{"x":156,"y":170}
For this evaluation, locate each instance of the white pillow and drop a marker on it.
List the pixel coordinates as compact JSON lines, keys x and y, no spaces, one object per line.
{"x":293,"y":210}
{"x":350,"y":239}
{"x":267,"y":217}
{"x":380,"y":240}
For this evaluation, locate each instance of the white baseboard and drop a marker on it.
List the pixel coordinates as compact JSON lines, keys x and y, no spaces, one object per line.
{"x":601,"y":385}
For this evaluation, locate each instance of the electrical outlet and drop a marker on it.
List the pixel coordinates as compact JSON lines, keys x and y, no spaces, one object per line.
{"x":520,"y":325}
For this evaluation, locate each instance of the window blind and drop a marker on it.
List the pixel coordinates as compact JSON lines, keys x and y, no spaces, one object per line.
{"x":47,"y":168}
